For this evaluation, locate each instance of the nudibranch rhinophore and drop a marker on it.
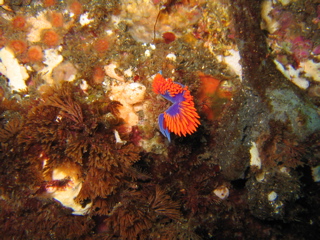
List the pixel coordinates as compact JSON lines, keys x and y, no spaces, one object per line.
{"x":182,"y":117}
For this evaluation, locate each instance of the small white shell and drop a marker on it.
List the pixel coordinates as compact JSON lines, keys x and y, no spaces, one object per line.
{"x":110,"y":71}
{"x":221,"y":192}
{"x":260,"y":176}
{"x":272,"y":196}
{"x":171,"y":56}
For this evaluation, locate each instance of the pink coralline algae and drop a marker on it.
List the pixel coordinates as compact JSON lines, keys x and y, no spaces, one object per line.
{"x":301,"y":48}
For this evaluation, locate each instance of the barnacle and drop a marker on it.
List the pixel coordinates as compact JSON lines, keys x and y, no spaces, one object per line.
{"x":182,"y":117}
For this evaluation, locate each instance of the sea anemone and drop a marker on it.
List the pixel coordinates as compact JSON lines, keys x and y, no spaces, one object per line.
{"x":182,"y":117}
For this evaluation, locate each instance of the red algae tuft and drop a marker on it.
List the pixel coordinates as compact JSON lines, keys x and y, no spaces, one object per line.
{"x":51,"y":38}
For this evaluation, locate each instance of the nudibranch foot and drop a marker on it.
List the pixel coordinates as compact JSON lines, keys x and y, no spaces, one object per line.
{"x":163,"y":128}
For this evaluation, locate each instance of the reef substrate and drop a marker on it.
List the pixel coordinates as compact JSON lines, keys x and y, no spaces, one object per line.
{"x":81,"y":152}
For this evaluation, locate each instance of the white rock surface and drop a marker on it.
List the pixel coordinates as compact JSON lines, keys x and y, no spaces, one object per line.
{"x":134,"y":93}
{"x":255,"y":159}
{"x":10,"y":67}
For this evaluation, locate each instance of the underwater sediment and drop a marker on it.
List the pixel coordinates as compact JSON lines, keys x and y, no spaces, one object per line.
{"x":146,"y":119}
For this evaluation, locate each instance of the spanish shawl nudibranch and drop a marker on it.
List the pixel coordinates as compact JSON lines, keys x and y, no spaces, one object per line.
{"x":182,"y":117}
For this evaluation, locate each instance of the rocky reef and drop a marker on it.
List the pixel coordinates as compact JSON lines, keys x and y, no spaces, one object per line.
{"x":81,"y":150}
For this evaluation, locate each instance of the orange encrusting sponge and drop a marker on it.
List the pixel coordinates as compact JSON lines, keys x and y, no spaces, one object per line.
{"x":182,"y":117}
